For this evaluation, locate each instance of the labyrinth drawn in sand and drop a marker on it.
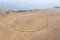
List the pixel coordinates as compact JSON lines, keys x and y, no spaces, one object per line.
{"x":30,"y":23}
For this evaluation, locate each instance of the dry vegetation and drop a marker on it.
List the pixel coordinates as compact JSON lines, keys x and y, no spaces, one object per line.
{"x":31,"y":25}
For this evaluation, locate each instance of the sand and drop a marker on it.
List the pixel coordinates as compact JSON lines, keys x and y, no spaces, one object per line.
{"x":33,"y":25}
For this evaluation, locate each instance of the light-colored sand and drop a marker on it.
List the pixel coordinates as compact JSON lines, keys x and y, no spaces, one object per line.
{"x":36,"y":25}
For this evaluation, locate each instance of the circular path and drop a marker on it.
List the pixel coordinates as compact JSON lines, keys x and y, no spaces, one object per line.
{"x":29,"y":23}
